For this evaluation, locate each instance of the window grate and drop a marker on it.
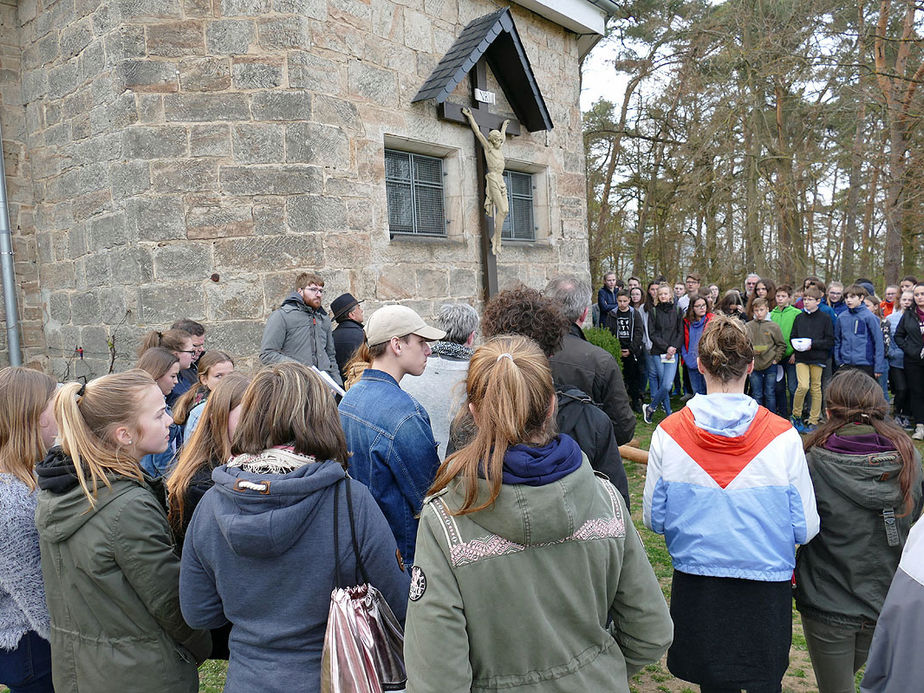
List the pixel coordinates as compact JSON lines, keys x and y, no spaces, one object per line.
{"x":519,"y":223}
{"x":414,"y":186}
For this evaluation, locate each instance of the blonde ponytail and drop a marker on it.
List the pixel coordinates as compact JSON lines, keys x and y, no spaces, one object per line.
{"x":510,"y":387}
{"x":88,"y":416}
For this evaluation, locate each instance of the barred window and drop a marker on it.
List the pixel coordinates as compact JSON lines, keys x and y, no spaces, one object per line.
{"x":519,"y":222}
{"x":414,"y":184}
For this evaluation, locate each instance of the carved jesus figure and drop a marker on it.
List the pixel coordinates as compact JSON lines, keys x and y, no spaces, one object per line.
{"x":495,"y":203}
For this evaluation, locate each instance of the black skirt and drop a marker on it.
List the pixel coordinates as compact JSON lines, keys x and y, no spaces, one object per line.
{"x":729,"y":631}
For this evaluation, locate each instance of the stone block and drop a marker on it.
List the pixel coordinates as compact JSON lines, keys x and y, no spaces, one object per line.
{"x":432,"y":283}
{"x":217,"y":217}
{"x":234,"y":299}
{"x":48,"y":49}
{"x":59,"y":307}
{"x":417,"y":31}
{"x":95,"y":341}
{"x":360,"y":215}
{"x":84,"y":179}
{"x":147,"y":76}
{"x":108,"y":231}
{"x":463,"y":283}
{"x":63,"y":79}
{"x":94,"y":269}
{"x":258,"y":143}
{"x":284,"y":33}
{"x":206,"y":107}
{"x":312,"y":72}
{"x":210,"y":140}
{"x":160,"y":307}
{"x":132,"y":265}
{"x":150,"y":108}
{"x":314,"y":214}
{"x":330,"y":110}
{"x":269,"y":217}
{"x":240,"y":338}
{"x":129,"y":178}
{"x":191,"y":261}
{"x":85,"y":309}
{"x":174,"y":39}
{"x":322,"y":145}
{"x":281,"y":105}
{"x":356,"y":13}
{"x":126,"y":42}
{"x":229,"y":36}
{"x":269,"y":253}
{"x":34,"y":85}
{"x":257,"y":72}
{"x":147,"y":9}
{"x":347,"y":249}
{"x":205,"y":74}
{"x":394,"y":284}
{"x":249,"y":8}
{"x":197,"y":8}
{"x":313,"y":9}
{"x":160,"y":218}
{"x":168,"y":141}
{"x":270,"y":180}
{"x":75,"y":38}
{"x":373,"y":84}
{"x":187,"y":175}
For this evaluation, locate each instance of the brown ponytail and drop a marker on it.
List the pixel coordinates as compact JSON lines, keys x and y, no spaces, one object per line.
{"x":510,"y":388}
{"x":172,"y":340}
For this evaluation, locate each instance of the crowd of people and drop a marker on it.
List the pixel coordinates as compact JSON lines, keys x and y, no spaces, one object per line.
{"x":801,"y":336}
{"x":470,"y":470}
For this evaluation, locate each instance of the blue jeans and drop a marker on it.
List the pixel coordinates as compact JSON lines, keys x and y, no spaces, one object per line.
{"x":661,"y":378}
{"x":763,"y":387}
{"x":27,"y":669}
{"x":697,"y":381}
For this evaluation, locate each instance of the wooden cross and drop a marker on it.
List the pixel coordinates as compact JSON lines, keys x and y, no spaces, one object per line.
{"x":486,"y":121}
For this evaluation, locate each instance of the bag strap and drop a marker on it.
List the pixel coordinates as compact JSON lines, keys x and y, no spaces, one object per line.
{"x":359,"y":561}
{"x":337,"y":577}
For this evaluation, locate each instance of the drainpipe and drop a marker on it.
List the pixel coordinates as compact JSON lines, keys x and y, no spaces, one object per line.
{"x":9,"y":276}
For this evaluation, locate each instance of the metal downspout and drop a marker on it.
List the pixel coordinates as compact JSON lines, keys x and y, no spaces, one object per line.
{"x":7,"y":270}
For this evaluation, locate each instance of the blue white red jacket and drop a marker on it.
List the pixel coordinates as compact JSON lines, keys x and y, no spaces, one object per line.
{"x":728,"y":487}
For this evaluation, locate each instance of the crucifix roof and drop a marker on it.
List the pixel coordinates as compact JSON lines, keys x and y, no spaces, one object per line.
{"x":494,"y":37}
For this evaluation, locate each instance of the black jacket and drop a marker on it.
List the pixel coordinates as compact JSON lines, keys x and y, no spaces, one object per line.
{"x":635,"y":342}
{"x":348,"y":335}
{"x":908,"y":335}
{"x":665,"y":328}
{"x":818,"y":327}
{"x":581,"y":419}
{"x":593,"y":370}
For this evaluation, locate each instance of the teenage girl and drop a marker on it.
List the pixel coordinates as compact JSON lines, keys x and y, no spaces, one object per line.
{"x":867,"y":479}
{"x":108,"y":557}
{"x":27,"y":430}
{"x":213,"y":366}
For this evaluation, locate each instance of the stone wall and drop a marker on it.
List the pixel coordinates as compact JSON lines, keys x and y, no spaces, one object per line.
{"x":188,"y":157}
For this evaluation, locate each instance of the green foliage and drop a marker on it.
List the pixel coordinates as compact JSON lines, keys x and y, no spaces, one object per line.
{"x":603,"y":338}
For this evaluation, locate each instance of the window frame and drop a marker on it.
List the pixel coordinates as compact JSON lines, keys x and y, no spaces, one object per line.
{"x":414,"y":184}
{"x":512,"y":234}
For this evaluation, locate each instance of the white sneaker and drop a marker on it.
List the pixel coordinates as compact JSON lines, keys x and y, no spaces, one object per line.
{"x":918,"y":432}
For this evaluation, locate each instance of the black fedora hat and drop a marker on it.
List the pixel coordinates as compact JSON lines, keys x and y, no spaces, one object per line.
{"x":342,"y":305}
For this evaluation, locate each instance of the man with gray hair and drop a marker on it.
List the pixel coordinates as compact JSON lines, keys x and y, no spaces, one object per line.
{"x":441,"y":387}
{"x":587,"y":367}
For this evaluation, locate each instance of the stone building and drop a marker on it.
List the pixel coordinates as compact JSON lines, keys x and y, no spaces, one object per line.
{"x":185,"y":158}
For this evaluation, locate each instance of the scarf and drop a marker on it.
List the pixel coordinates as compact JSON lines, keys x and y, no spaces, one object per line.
{"x":451,"y":350}
{"x":276,"y":460}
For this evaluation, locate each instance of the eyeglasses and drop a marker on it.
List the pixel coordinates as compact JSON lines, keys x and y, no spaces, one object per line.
{"x":186,"y":351}
{"x":314,"y":289}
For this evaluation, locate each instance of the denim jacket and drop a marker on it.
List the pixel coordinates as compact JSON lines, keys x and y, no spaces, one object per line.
{"x":392,"y":451}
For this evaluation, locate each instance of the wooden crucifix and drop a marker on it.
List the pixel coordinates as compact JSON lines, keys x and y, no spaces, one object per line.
{"x":486,"y":122}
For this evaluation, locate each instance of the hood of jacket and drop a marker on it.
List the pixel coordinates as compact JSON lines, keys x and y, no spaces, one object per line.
{"x":264,"y":515}
{"x":63,"y":506}
{"x":535,"y":514}
{"x":722,"y":414}
{"x":869,"y":480}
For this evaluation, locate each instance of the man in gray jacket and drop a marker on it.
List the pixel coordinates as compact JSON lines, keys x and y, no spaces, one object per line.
{"x":300,"y":329}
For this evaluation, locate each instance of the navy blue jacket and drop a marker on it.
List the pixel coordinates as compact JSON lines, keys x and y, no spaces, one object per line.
{"x":259,"y":553}
{"x":606,"y":300}
{"x":858,"y":340}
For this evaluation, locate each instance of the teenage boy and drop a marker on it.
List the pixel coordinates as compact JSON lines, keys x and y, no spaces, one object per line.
{"x":769,"y":348}
{"x":606,"y":296}
{"x":783,"y":315}
{"x":812,"y":324}
{"x":858,"y":336}
{"x":691,"y":284}
{"x":627,"y":325}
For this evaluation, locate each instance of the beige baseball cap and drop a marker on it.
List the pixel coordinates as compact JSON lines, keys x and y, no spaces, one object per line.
{"x":397,"y":321}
